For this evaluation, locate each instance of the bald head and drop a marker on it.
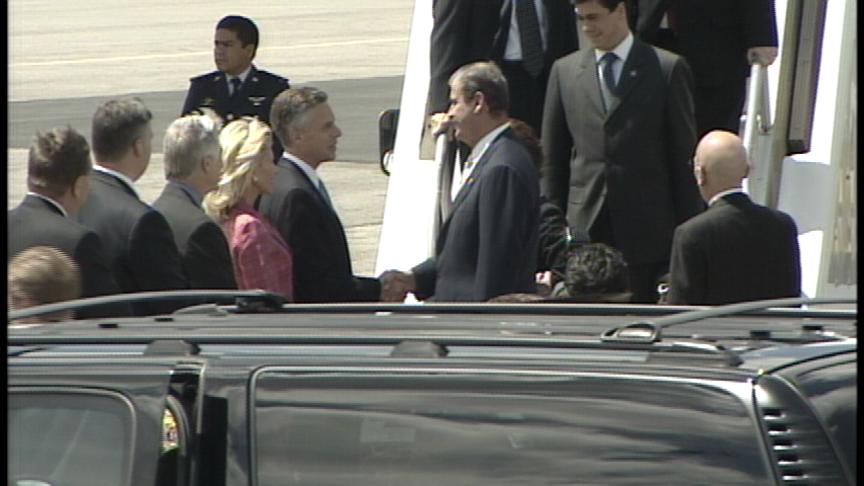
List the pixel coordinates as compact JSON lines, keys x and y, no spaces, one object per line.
{"x":720,"y":163}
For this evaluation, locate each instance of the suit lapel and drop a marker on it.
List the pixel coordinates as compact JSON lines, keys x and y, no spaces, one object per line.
{"x":631,"y":74}
{"x":586,"y":75}
{"x":469,"y":184}
{"x":311,"y":186}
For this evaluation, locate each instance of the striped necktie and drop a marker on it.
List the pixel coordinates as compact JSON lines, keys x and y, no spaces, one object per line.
{"x":529,"y":35}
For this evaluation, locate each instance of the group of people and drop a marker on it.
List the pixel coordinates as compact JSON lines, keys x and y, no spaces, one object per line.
{"x":597,"y":197}
{"x":620,"y":123}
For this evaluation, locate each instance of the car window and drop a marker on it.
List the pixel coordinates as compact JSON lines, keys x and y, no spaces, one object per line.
{"x":69,"y":439}
{"x":833,"y":392}
{"x":472,"y":430}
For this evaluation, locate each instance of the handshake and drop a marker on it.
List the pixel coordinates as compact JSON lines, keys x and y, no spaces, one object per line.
{"x":395,"y":285}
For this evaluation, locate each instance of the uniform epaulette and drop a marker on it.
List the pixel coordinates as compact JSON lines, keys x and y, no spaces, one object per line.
{"x":213,"y":75}
{"x":272,"y":77}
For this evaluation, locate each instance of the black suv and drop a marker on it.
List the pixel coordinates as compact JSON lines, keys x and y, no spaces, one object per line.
{"x":255,"y":393}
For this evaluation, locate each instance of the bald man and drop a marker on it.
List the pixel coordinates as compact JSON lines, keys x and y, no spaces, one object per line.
{"x":736,"y":250}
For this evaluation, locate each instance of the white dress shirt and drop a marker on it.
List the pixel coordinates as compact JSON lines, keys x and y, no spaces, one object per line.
{"x":476,"y":154}
{"x":242,"y":76}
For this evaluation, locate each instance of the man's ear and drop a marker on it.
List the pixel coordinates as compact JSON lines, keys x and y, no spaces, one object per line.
{"x":80,"y":187}
{"x":250,"y":51}
{"x":206,"y":163}
{"x":699,"y":172}
{"x":480,"y":99}
{"x":138,"y":147}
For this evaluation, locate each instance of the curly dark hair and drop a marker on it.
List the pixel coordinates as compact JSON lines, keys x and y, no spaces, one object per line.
{"x":595,"y":268}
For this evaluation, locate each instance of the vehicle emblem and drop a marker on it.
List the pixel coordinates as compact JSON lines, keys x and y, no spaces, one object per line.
{"x":257,"y":100}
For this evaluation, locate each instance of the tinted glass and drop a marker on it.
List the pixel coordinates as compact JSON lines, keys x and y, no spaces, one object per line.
{"x":68,"y":439}
{"x":472,"y":430}
{"x":833,"y":391}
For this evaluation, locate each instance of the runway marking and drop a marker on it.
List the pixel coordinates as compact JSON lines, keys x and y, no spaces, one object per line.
{"x":202,"y":53}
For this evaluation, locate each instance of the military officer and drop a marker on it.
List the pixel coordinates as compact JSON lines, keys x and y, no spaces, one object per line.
{"x":237,"y":87}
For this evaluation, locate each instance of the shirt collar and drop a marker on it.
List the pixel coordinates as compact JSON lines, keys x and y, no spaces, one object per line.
{"x":721,"y":194}
{"x":480,"y":149}
{"x":125,"y":180}
{"x":242,"y":76}
{"x":622,"y":50}
{"x":198,"y":198}
{"x":50,"y":201}
{"x":303,"y":166}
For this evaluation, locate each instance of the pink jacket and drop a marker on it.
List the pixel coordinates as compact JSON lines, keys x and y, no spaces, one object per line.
{"x":262,"y":259}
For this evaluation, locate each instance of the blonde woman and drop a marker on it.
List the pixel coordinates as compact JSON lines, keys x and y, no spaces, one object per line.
{"x":261,"y":258}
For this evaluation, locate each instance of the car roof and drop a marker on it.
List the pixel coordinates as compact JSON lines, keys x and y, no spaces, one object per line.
{"x":751,"y":337}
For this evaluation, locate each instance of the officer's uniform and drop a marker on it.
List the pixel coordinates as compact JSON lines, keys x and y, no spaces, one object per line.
{"x":254,"y":98}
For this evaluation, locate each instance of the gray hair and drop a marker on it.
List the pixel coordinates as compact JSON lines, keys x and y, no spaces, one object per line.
{"x":290,"y":108}
{"x":188,"y":140}
{"x":483,"y":77}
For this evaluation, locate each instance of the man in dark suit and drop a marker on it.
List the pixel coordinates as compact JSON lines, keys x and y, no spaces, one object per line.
{"x":193,"y":166}
{"x":138,"y":241}
{"x":489,"y":30}
{"x":624,"y":113}
{"x":300,"y":206}
{"x":720,"y":39}
{"x":237,"y":88}
{"x":58,"y":179}
{"x":737,"y":250}
{"x":488,"y":245}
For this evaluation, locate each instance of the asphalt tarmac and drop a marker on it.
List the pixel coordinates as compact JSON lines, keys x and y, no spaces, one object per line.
{"x":65,"y":59}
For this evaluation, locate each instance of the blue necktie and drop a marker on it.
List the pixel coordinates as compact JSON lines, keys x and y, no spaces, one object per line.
{"x":323,"y":189}
{"x":235,"y":83}
{"x":607,"y":61}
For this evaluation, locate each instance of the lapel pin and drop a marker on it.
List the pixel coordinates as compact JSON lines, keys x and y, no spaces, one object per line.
{"x":217,"y":78}
{"x":633,"y":73}
{"x":254,"y":79}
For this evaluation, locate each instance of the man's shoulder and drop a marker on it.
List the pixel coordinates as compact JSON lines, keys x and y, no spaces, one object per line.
{"x":179,"y":208}
{"x":269,"y":78}
{"x":211,"y":77}
{"x":44,"y":227}
{"x":574,"y":58}
{"x":507,"y":149}
{"x":115,"y":198}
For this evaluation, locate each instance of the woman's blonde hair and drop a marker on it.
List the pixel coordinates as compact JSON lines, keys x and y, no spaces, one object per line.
{"x":242,"y":142}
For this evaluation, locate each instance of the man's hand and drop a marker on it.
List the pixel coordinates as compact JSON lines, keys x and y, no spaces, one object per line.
{"x":764,"y":55}
{"x":441,"y":123}
{"x":395,"y":285}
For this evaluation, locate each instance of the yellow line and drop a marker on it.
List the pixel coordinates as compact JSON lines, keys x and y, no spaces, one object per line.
{"x":202,"y":53}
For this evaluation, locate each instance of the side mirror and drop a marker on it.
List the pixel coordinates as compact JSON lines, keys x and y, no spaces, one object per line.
{"x":388,"y":121}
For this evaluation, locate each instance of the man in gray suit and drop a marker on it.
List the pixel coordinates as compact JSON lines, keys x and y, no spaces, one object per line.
{"x":619,"y":132}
